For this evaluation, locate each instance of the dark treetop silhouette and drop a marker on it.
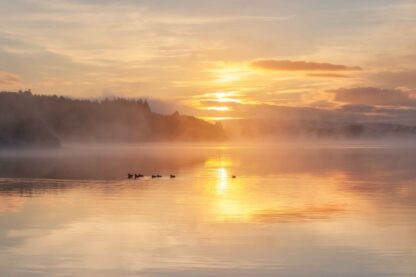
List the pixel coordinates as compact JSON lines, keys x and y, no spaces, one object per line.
{"x":38,"y":120}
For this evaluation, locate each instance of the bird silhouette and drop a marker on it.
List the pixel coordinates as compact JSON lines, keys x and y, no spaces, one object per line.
{"x":138,"y":176}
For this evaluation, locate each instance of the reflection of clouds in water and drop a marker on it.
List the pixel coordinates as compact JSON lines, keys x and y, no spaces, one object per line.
{"x":277,"y":200}
{"x":11,"y":203}
{"x":99,"y":162}
{"x":289,"y":214}
{"x":342,"y":207}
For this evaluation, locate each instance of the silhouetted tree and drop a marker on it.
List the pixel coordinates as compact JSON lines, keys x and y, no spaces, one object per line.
{"x":37,"y":119}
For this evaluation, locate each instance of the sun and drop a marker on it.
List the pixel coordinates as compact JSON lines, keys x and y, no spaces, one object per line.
{"x":225,"y":97}
{"x":219,"y":105}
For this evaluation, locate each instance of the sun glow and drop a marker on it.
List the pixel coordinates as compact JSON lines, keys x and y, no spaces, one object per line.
{"x":219,"y":164}
{"x":220,"y":108}
{"x":222,"y":184}
{"x":225,"y":97}
{"x":219,"y":118}
{"x":234,"y":200}
{"x":229,"y":75}
{"x":219,"y":105}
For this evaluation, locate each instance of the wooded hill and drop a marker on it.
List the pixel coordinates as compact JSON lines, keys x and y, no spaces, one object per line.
{"x":38,"y":120}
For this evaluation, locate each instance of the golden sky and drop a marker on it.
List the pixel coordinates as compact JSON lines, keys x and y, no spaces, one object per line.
{"x":216,"y":59}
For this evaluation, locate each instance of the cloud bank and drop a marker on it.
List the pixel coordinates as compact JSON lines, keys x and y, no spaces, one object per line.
{"x":375,"y":97}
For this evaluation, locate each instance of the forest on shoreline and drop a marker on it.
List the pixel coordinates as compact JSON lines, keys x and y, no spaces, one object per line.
{"x":28,"y":120}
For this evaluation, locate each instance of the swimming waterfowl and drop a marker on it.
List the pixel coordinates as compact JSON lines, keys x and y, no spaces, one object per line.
{"x":233,"y":176}
{"x":172,"y":176}
{"x":130,"y":176}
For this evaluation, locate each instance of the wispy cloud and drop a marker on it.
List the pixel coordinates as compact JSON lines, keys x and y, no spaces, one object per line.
{"x":328,"y":75}
{"x":9,"y":80}
{"x":287,"y":65}
{"x":186,"y":49}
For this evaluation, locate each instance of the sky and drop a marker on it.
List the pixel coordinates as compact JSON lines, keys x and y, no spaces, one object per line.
{"x":218,"y":60}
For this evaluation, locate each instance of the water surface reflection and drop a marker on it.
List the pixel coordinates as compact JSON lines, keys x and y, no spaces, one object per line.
{"x":291,"y":211}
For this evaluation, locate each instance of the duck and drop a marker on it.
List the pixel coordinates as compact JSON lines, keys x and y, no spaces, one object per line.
{"x":233,"y":176}
{"x":172,"y":176}
{"x":130,"y":176}
{"x":138,"y":176}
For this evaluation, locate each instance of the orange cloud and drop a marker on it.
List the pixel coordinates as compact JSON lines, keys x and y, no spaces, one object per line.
{"x":9,"y":80}
{"x":328,"y":75}
{"x":286,"y":65}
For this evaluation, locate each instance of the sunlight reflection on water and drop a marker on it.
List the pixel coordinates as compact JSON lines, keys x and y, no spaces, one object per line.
{"x":289,"y":211}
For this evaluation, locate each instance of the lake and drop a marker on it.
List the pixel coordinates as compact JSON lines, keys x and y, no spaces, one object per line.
{"x":328,"y":209}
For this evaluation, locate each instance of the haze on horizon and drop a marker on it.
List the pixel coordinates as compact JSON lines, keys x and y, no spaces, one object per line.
{"x":219,"y":59}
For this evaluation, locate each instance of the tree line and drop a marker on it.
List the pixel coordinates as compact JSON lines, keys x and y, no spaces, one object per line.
{"x":27,"y":120}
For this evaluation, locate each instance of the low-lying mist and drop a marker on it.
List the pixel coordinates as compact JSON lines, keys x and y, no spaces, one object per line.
{"x":28,"y":120}
{"x":32,"y":120}
{"x":114,"y":161}
{"x":316,"y":130}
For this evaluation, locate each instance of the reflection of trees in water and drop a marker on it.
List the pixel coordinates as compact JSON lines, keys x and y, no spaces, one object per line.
{"x":361,"y":170}
{"x":29,"y":188}
{"x":97,"y":164}
{"x":10,"y":203}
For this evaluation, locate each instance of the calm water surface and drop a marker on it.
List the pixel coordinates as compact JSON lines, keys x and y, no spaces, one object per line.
{"x":340,"y":210}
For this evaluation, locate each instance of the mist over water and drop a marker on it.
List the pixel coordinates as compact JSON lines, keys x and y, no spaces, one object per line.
{"x":336,"y":209}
